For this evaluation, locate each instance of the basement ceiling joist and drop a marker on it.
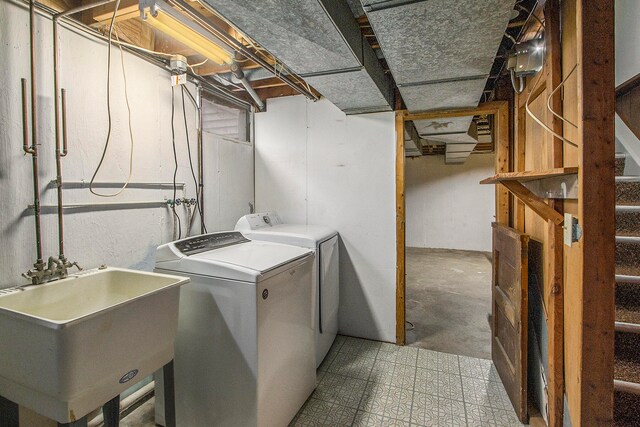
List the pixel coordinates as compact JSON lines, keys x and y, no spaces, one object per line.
{"x":319,"y":40}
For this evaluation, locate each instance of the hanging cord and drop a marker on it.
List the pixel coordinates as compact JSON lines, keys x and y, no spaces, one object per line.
{"x":553,"y":93}
{"x":126,"y":95}
{"x":175,"y":170}
{"x":537,"y":120}
{"x":193,"y":174}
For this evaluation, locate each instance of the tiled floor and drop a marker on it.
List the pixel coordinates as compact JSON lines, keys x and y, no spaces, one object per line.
{"x":368,"y":383}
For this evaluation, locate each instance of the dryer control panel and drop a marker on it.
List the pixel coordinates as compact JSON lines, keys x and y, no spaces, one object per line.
{"x":208,"y":242}
{"x":258,"y":221}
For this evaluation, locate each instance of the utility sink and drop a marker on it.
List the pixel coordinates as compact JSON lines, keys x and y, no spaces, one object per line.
{"x":68,"y":347}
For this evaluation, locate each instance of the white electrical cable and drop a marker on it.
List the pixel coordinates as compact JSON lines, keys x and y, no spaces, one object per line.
{"x":554,"y":91}
{"x":199,"y":64}
{"x":126,"y":95}
{"x":537,"y":120}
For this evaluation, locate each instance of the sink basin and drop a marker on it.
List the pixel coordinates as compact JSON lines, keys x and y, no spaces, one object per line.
{"x":70,"y":346}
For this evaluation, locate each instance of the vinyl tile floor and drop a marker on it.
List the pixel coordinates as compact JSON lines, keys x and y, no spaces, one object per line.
{"x":374,"y":384}
{"x":368,"y":383}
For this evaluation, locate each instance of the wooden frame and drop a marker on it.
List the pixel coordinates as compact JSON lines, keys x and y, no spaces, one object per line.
{"x":500,"y":111}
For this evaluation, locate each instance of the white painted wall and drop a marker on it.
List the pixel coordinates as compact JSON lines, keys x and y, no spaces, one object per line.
{"x":446,"y":205}
{"x":315,"y":165}
{"x":627,"y":66}
{"x":627,"y":36}
{"x":125,"y":238}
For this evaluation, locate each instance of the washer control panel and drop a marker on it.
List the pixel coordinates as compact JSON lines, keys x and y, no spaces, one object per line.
{"x":208,"y":242}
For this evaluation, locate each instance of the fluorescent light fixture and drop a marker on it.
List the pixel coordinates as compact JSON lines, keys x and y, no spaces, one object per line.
{"x":164,"y":18}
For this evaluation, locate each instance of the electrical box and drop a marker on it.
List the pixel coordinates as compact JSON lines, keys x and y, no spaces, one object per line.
{"x":527,"y":58}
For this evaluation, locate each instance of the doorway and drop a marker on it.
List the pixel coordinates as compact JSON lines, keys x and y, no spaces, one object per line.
{"x":444,"y":263}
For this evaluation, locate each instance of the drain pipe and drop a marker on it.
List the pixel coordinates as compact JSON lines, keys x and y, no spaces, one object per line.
{"x":242,"y":79}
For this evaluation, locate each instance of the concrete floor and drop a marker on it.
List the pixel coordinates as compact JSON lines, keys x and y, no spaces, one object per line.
{"x":448,"y":298}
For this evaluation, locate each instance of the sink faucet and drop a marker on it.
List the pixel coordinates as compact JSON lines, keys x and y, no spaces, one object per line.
{"x":57,"y":268}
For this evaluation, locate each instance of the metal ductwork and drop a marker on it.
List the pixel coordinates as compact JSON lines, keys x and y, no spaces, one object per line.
{"x":440,"y":53}
{"x":321,"y":41}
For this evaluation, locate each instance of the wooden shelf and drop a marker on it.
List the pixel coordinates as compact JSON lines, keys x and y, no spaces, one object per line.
{"x":513,"y":182}
{"x":529,"y":175}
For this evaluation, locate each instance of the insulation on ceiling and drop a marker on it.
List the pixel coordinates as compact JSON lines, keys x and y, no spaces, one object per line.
{"x":440,"y":51}
{"x":319,"y":40}
{"x":300,"y":34}
{"x":353,"y":92}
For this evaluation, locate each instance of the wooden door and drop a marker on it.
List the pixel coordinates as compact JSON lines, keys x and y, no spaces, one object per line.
{"x":509,"y":319}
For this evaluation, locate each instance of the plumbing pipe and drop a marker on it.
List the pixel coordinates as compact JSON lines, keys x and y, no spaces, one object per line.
{"x":59,"y":154}
{"x":33,"y":150}
{"x":85,"y":184}
{"x":239,"y":76}
{"x":150,"y":203}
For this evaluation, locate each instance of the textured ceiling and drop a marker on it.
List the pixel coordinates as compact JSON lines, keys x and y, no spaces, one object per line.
{"x":299,"y":33}
{"x":434,"y":47}
{"x":441,"y":39}
{"x":442,"y":95}
{"x":321,"y":41}
{"x":353,"y":92}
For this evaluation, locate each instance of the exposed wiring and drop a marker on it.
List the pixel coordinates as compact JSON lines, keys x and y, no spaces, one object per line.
{"x":193,"y":174}
{"x":537,"y":120}
{"x":518,"y":89}
{"x":142,"y":49}
{"x":109,"y":126}
{"x":194,"y":66}
{"x":530,"y":13}
{"x":175,"y":170}
{"x":553,"y":93}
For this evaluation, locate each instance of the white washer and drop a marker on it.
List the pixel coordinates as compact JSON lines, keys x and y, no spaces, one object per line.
{"x":324,"y":241}
{"x":244,"y":350}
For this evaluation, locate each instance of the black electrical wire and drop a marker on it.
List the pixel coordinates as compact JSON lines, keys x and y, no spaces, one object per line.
{"x":175,"y":159}
{"x":193,"y":174}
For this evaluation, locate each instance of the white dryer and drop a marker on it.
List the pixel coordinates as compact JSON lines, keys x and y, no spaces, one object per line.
{"x":324,"y":241}
{"x":244,"y":349}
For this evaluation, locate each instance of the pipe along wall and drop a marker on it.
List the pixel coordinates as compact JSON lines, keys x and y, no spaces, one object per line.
{"x":102,"y":235}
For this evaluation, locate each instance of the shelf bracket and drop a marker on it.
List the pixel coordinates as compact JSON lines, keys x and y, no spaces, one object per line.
{"x":534,"y":202}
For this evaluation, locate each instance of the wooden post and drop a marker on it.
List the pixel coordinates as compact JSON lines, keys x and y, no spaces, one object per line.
{"x":502,"y":162}
{"x":554,"y":271}
{"x":400,"y":231}
{"x":596,"y":208}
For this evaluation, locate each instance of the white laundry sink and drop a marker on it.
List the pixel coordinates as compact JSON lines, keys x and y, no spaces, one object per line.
{"x":70,"y":346}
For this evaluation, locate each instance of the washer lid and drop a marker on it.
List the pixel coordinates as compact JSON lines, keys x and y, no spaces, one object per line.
{"x":244,"y":260}
{"x":258,"y":256}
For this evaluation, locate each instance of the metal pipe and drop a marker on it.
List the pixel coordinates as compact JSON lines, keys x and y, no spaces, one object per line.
{"x":64,"y":124}
{"x":25,"y":119}
{"x":84,"y":184}
{"x":239,"y":77}
{"x":234,"y":44}
{"x":59,"y":188}
{"x":150,"y":203}
{"x":39,"y":264}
